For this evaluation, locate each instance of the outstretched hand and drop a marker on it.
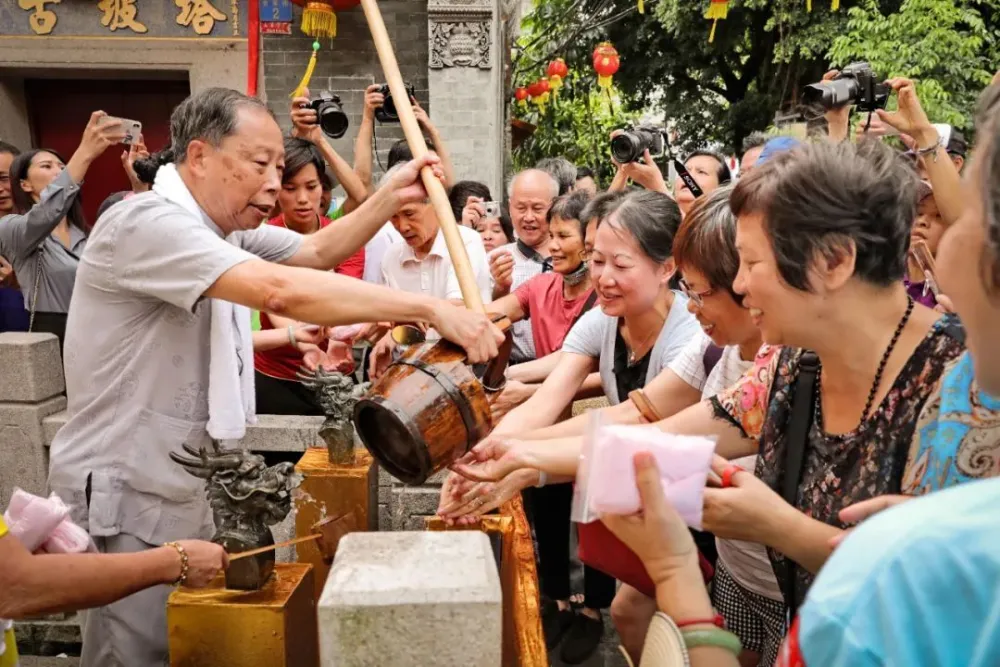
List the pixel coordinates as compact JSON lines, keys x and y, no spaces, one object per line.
{"x":910,"y":117}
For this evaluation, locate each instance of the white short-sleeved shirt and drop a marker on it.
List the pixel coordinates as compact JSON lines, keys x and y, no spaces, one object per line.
{"x":434,"y":275}
{"x":137,"y":366}
{"x":375,"y":250}
{"x":747,"y":562}
{"x":594,"y":336}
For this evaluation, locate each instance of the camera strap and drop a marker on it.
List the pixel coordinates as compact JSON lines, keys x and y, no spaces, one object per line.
{"x":688,"y":179}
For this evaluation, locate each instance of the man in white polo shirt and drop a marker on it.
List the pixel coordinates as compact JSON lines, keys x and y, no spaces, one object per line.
{"x":422,"y":265}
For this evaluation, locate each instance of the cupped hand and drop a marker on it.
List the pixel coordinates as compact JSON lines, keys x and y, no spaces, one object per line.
{"x":101,"y":132}
{"x":406,"y":185}
{"x":470,"y":330}
{"x":381,"y":356}
{"x":473,"y":212}
{"x":469,"y":500}
{"x":860,"y":511}
{"x":205,"y":561}
{"x":657,"y":534}
{"x":910,"y":117}
{"x":742,"y":511}
{"x":305,"y":122}
{"x":491,"y":460}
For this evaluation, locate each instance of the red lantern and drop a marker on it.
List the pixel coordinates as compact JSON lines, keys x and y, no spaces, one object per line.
{"x":319,"y":19}
{"x":606,"y":63}
{"x":557,"y":71}
{"x":522,"y":95}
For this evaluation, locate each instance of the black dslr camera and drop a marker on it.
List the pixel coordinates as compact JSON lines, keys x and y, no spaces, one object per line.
{"x":856,"y":84}
{"x":330,"y":114}
{"x":387,"y":112}
{"x":630,"y":144}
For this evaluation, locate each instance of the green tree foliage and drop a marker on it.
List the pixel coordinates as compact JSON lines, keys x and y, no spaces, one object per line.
{"x":763,"y":55}
{"x":575,"y":124}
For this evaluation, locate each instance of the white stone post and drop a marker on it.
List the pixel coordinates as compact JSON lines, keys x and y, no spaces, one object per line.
{"x":31,"y":389}
{"x":412,"y":599}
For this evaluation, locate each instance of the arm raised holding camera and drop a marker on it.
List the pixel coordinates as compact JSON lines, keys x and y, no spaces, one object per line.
{"x":306,"y":126}
{"x":437,"y":141}
{"x":363,"y":143}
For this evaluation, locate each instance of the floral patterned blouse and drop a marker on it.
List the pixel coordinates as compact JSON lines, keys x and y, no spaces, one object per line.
{"x":837,"y":470}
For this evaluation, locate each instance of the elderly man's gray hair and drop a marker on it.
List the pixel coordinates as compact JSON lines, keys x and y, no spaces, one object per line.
{"x":560,"y":169}
{"x":536,"y":173}
{"x":209,"y":115}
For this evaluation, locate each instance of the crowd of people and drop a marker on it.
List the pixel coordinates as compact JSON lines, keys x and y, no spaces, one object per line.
{"x":823,"y":313}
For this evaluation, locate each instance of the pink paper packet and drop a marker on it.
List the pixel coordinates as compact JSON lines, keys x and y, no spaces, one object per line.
{"x":683,"y":462}
{"x":43,"y":524}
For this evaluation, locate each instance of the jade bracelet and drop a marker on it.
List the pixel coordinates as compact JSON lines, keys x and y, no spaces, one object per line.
{"x":712,"y":637}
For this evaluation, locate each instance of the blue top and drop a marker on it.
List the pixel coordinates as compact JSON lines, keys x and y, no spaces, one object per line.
{"x":915,"y":585}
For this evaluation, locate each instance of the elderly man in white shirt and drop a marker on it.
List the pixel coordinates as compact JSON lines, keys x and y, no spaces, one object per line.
{"x":422,"y":265}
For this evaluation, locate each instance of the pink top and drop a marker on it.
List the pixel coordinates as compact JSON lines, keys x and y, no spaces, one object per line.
{"x":551,"y":314}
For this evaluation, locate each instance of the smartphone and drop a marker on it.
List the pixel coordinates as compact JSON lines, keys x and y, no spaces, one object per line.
{"x":492,"y":209}
{"x":925,"y":261}
{"x":132,"y":128}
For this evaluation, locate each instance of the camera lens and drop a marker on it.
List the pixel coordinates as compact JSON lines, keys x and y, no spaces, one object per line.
{"x":832,"y":94}
{"x":626,"y":147}
{"x":332,"y":119}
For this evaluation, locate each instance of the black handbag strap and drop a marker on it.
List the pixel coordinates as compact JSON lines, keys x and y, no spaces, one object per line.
{"x":795,"y":451}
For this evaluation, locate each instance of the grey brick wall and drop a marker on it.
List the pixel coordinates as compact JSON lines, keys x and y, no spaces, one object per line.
{"x":348,"y":64}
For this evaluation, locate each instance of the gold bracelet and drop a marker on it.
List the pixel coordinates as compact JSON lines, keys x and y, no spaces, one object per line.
{"x":184,"y":562}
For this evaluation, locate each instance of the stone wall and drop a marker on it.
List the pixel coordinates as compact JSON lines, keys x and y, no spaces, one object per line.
{"x":347,"y":65}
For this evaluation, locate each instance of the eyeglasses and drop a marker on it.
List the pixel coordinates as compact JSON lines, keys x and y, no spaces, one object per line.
{"x":697,"y":298}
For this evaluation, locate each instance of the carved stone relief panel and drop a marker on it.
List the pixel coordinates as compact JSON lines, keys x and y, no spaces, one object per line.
{"x":460,"y":44}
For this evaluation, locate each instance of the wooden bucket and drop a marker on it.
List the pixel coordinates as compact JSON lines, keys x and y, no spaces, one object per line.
{"x":426,"y":410}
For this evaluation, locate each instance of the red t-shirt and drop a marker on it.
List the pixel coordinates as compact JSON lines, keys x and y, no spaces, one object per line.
{"x":552,"y":316}
{"x":283,"y":362}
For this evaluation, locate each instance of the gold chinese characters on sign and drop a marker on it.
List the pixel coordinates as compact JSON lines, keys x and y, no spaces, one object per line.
{"x":199,"y":14}
{"x":120,"y":14}
{"x":42,"y":20}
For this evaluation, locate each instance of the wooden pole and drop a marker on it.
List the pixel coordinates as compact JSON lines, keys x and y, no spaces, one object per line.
{"x":262,"y":550}
{"x":415,"y":139}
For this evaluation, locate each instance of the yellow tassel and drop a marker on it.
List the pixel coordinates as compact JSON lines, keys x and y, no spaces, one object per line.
{"x":604,"y":81}
{"x":835,"y":5}
{"x":809,"y":5}
{"x":642,"y":7}
{"x":318,"y":20}
{"x":300,"y":90}
{"x":711,"y":34}
{"x":718,"y":9}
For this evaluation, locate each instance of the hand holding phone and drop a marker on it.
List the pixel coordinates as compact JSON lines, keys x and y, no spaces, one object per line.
{"x":131,"y":128}
{"x":922,"y":254}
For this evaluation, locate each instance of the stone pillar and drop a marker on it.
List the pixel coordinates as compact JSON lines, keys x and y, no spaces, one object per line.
{"x":465,"y":80}
{"x":31,"y":389}
{"x":412,"y":599}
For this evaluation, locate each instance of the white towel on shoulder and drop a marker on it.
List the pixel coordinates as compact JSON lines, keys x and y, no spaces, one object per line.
{"x":231,"y":395}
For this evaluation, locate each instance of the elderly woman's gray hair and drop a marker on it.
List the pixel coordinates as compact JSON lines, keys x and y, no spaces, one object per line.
{"x":651,"y":217}
{"x":560,"y":169}
{"x":209,"y":115}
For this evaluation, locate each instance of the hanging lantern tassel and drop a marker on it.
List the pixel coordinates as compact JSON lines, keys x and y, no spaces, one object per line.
{"x":319,"y":20}
{"x":809,"y":6}
{"x":642,"y":7}
{"x":717,"y":9}
{"x":300,"y":90}
{"x":834,"y":5}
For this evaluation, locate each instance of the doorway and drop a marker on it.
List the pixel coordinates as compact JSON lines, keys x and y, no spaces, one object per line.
{"x":58,"y":110}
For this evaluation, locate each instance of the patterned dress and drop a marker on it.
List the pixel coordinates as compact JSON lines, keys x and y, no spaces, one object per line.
{"x":838,"y":470}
